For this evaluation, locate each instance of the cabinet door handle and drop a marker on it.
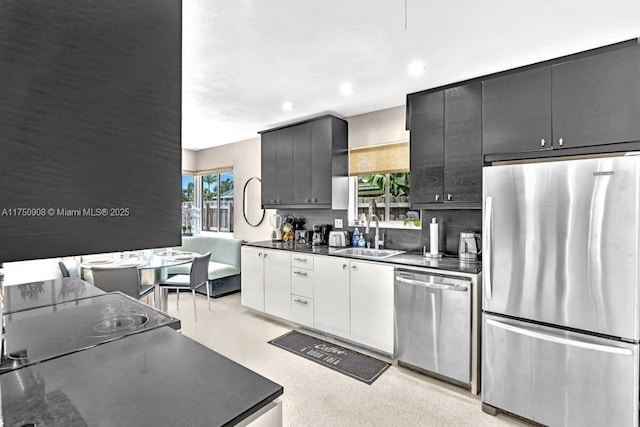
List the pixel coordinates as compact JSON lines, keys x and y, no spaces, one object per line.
{"x":449,"y":197}
{"x":315,"y":200}
{"x":301,"y":301}
{"x":259,"y":253}
{"x":265,"y":255}
{"x":307,"y":200}
{"x":542,"y":142}
{"x":273,"y":201}
{"x":437,"y":197}
{"x":344,"y":266}
{"x":299,"y":273}
{"x":354,"y":267}
{"x":560,"y":141}
{"x":300,"y":259}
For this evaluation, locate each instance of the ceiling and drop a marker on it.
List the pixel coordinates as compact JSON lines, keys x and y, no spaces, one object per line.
{"x":242,"y":59}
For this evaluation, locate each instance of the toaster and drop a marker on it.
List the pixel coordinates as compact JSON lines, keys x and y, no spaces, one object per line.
{"x":339,"y":238}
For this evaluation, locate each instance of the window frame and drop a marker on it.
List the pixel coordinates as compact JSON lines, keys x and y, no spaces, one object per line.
{"x":353,"y":215}
{"x":217,"y":202}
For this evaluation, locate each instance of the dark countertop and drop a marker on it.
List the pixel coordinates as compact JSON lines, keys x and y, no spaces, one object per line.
{"x":158,"y":377}
{"x":48,"y":292}
{"x":409,"y":259}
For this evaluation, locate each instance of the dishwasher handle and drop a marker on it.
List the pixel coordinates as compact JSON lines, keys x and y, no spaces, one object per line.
{"x":444,"y":287}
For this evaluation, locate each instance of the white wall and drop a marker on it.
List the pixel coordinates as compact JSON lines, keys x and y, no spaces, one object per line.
{"x":189,"y":160}
{"x":244,"y":158}
{"x":378,"y":127}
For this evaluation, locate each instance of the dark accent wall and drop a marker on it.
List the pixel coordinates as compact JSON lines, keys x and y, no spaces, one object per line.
{"x":89,"y":119}
{"x":452,"y":222}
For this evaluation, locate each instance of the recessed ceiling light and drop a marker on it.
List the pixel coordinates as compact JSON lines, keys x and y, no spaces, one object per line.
{"x":346,"y":89}
{"x":415,"y":68}
{"x":288,"y":106}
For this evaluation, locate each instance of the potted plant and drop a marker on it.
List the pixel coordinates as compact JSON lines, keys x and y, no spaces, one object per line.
{"x":413,"y":218}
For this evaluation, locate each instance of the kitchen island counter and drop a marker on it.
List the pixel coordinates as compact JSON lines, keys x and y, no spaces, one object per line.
{"x":411,"y":259}
{"x":27,"y":296}
{"x":158,"y":377}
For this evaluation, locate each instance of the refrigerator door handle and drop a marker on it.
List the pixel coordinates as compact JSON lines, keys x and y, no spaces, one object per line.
{"x":488,"y":231}
{"x":457,"y":288}
{"x":559,"y":340}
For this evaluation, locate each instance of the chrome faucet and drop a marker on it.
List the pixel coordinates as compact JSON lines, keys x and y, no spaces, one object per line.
{"x":377,"y":241}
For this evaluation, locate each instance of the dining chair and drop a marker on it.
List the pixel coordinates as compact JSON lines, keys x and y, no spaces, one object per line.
{"x":63,"y":269}
{"x":198,"y":276}
{"x":123,"y":279}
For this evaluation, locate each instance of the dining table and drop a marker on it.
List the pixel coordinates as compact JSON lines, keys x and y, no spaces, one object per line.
{"x":152,"y":265}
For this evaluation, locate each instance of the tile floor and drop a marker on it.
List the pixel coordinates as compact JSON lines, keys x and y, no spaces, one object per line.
{"x":318,"y":396}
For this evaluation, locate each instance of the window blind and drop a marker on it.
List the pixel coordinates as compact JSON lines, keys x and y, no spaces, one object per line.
{"x":211,"y":171}
{"x":379,"y":159}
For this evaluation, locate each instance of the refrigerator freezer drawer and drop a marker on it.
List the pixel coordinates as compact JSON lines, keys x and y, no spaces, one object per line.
{"x":556,"y":377}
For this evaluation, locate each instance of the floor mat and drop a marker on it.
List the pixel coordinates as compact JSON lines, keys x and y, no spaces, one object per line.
{"x":346,"y":361}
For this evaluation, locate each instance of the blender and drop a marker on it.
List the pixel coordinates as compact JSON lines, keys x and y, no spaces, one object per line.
{"x":276,"y":223}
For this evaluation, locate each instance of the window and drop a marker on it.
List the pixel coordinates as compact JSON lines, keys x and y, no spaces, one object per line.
{"x":217,"y":201}
{"x":189,"y":209}
{"x":380,"y":185}
{"x":388,"y":197}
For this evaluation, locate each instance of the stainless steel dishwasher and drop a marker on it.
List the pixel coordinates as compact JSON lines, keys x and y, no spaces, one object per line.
{"x":433,"y":323}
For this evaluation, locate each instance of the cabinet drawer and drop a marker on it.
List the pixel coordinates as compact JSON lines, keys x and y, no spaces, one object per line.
{"x":302,"y":282}
{"x":302,"y":261}
{"x":302,"y":310}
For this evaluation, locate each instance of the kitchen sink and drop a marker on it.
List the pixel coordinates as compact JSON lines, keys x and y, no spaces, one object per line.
{"x":367,"y":253}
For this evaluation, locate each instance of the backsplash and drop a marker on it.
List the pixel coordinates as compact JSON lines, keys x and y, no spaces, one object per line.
{"x":452,"y":223}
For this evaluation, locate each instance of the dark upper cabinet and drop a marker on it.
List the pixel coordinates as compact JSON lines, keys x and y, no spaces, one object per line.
{"x":516,"y":112}
{"x":269,"y":167}
{"x":446,"y":150}
{"x":596,"y":100}
{"x":284,"y":166}
{"x":299,"y":168}
{"x":586,"y":102}
{"x":301,"y":161}
{"x":427,"y":147}
{"x":322,"y":157}
{"x":463,"y":143}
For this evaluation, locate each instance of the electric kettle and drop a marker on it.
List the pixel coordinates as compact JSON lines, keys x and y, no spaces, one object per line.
{"x":470,"y":246}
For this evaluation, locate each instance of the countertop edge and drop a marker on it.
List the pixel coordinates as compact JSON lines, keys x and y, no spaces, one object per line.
{"x":450,"y":264}
{"x":255,"y":408}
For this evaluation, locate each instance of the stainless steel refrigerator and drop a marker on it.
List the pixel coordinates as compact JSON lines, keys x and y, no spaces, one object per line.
{"x":561,"y":300}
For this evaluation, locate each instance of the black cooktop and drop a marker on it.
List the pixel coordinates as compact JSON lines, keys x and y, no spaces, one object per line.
{"x":44,"y":333}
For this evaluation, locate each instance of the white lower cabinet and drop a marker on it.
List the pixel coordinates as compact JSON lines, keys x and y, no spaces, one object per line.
{"x":354,"y":300}
{"x":331,"y":295}
{"x":302,"y":310}
{"x":252,"y":278}
{"x":371,"y":305}
{"x":302,"y":282}
{"x":342,"y":297}
{"x":277,"y":283}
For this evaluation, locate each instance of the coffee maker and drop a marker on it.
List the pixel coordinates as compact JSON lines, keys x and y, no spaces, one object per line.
{"x":321,"y":234}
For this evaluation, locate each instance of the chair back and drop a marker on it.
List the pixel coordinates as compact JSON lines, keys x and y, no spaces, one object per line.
{"x":199,"y":270}
{"x":63,"y":269}
{"x":123,"y":279}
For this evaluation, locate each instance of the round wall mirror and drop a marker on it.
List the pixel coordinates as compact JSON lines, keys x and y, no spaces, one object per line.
{"x":251,"y":198}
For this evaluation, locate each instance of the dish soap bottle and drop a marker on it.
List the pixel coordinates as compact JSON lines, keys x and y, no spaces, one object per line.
{"x":355,"y":239}
{"x":362,"y":242}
